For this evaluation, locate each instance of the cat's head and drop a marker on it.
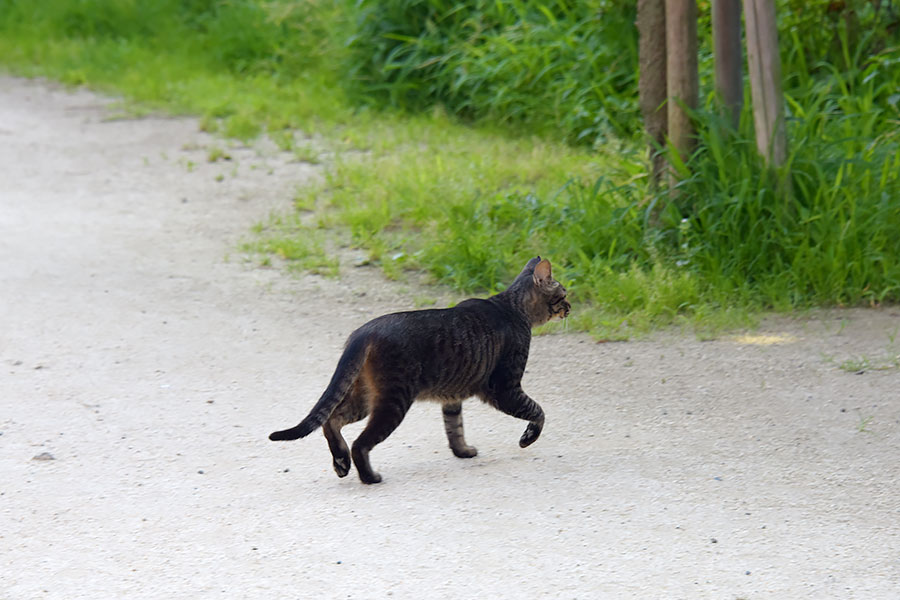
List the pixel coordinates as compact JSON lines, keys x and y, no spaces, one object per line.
{"x":545,"y":297}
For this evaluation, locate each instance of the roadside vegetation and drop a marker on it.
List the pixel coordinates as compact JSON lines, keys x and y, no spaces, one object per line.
{"x":470,"y":136}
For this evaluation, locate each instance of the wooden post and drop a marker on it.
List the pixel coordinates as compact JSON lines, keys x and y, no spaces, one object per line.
{"x":681,"y":73}
{"x":651,"y":24}
{"x":764,"y":65}
{"x":726,"y":29}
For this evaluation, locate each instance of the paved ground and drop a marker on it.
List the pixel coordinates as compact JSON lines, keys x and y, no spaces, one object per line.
{"x":143,"y":363}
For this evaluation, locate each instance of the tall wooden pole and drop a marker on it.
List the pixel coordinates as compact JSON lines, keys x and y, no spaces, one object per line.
{"x":764,"y":65}
{"x":651,"y":24}
{"x":726,"y":29}
{"x":681,"y":72}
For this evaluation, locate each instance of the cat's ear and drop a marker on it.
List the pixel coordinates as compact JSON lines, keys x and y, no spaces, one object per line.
{"x":528,"y":269}
{"x":542,"y":275}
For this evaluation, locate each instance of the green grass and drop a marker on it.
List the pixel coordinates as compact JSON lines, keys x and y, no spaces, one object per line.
{"x":244,"y":66}
{"x":566,"y":69}
{"x":507,"y":147}
{"x":860,"y":364}
{"x":216,"y":154}
{"x":297,"y":246}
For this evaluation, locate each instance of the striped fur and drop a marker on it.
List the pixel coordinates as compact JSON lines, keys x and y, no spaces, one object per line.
{"x":477,"y":348}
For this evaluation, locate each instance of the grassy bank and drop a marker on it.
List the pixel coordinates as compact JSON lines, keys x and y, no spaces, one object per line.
{"x":486,"y":166}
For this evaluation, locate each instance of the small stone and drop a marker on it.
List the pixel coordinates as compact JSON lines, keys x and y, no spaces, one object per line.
{"x":286,"y":471}
{"x":200,"y":471}
{"x":44,"y":456}
{"x":714,"y":541}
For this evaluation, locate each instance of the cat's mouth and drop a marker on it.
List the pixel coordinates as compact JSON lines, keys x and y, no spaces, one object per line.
{"x":560,"y":309}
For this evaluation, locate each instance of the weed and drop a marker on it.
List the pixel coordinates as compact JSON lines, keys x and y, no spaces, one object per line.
{"x":244,"y":127}
{"x":856,"y":365}
{"x":306,"y":153}
{"x":863,"y":425}
{"x":861,"y":364}
{"x":283,"y":138}
{"x":300,"y":248}
{"x":305,"y":199}
{"x":209,"y":124}
{"x":216,"y":154}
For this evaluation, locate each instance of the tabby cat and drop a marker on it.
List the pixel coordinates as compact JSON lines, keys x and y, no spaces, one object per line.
{"x":477,"y":348}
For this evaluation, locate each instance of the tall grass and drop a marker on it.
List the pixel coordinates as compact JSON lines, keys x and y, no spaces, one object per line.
{"x":817,"y":231}
{"x":566,"y":69}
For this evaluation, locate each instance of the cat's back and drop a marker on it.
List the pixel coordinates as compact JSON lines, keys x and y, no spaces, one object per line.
{"x":474,"y":330}
{"x":467,"y":320}
{"x":450,"y":352}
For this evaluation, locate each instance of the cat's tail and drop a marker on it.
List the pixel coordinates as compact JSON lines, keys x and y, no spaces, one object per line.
{"x":344,"y":377}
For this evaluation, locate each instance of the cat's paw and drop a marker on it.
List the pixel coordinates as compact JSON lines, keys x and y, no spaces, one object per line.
{"x":532,"y":432}
{"x":370,"y":478}
{"x":341,"y":466}
{"x":465,"y":451}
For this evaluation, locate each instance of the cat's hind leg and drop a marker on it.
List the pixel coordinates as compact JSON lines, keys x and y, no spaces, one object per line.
{"x":339,"y":451}
{"x":354,"y":408}
{"x":386,"y":414}
{"x":453,"y":426}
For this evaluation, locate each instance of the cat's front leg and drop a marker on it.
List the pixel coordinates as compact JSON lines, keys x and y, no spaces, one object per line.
{"x":515,"y":402}
{"x":453,"y":426}
{"x":532,"y":432}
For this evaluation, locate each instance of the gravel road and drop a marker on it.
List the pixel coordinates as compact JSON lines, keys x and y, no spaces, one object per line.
{"x":143,"y":362}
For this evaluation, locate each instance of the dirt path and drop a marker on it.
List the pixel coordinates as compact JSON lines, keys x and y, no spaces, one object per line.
{"x":151,"y":369}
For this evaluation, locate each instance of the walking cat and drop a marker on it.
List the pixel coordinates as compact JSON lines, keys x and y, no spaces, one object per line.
{"x":477,"y":348}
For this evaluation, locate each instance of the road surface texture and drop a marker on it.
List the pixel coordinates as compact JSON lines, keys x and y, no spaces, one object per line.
{"x":143,"y":362}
